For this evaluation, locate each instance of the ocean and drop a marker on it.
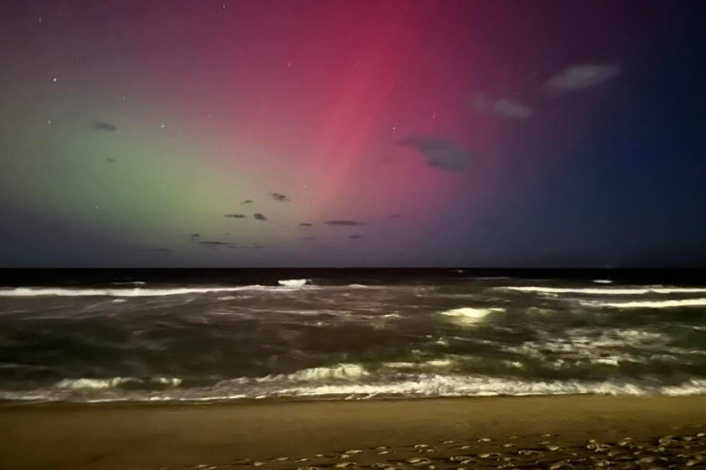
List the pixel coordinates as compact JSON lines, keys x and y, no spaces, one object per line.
{"x":218,"y":335}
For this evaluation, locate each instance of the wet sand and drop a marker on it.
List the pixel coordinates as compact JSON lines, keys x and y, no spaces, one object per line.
{"x":518,"y":432}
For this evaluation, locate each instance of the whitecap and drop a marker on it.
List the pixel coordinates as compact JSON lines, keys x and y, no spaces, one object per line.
{"x":470,"y":315}
{"x":606,"y":291}
{"x":700,"y":302}
{"x":137,"y":292}
{"x":337,"y":372}
{"x":292,"y":282}
{"x":113,"y":382}
{"x":94,"y":384}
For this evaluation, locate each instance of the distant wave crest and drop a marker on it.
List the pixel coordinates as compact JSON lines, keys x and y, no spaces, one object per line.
{"x":292,"y":282}
{"x":470,"y":315}
{"x":606,"y":290}
{"x":137,"y":292}
{"x":700,"y":302}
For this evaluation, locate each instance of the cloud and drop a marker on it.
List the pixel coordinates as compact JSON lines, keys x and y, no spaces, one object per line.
{"x":104,"y":126}
{"x":440,"y":153}
{"x":582,"y":77}
{"x":349,"y":223}
{"x":110,"y":160}
{"x":306,"y":238}
{"x":235,"y":216}
{"x":512,"y":109}
{"x":162,"y":250}
{"x":215,"y":243}
{"x":195,"y":235}
{"x":306,"y":224}
{"x":394,"y":216}
{"x":355,"y":237}
{"x":258,"y":216}
{"x":502,"y":107}
{"x":247,"y":201}
{"x":279,"y":197}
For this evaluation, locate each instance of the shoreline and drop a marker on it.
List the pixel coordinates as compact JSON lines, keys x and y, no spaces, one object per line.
{"x":223,"y":435}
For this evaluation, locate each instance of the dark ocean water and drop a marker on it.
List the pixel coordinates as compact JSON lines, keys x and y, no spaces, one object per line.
{"x":107,"y":335}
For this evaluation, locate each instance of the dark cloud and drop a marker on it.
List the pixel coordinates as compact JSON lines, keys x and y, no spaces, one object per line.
{"x":247,"y":201}
{"x":355,"y":237}
{"x":235,"y":216}
{"x":305,"y":224}
{"x":215,"y":243}
{"x":306,"y":238}
{"x":162,"y":250}
{"x":394,"y":216}
{"x":440,"y":153}
{"x":104,"y":126}
{"x":349,"y":223}
{"x":110,"y":160}
{"x":581,"y":77}
{"x":258,"y":216}
{"x":279,"y":197}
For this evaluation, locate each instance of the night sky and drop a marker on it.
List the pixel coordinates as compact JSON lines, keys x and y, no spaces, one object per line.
{"x":352,"y":133}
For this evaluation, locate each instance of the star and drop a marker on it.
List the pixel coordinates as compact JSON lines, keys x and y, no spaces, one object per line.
{"x":54,"y":79}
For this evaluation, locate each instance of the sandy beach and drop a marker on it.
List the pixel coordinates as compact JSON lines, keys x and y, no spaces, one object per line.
{"x":518,"y":432}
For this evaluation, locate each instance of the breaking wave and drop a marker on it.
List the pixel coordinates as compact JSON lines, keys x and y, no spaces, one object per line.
{"x":606,"y":290}
{"x":292,"y":282}
{"x":700,"y":302}
{"x":469,"y":315}
{"x":291,"y":386}
{"x":137,"y":292}
{"x":338,"y":372}
{"x":114,"y":382}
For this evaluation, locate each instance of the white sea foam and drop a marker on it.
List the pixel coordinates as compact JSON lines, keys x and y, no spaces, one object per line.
{"x":113,"y":382}
{"x":439,"y":385}
{"x":590,"y":346}
{"x":63,"y":292}
{"x":400,"y":365}
{"x":409,"y":385}
{"x":602,"y":281}
{"x":292,"y":282}
{"x":469,"y":315}
{"x":700,"y":302}
{"x":94,"y":384}
{"x":337,"y":372}
{"x":606,"y":290}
